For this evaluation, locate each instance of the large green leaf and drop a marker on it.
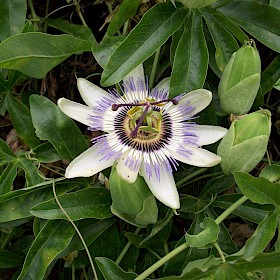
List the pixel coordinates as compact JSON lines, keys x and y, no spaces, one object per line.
{"x":86,"y":203}
{"x":90,"y":229}
{"x":16,"y":205}
{"x":12,"y":17}
{"x":156,"y":26}
{"x":258,"y":190}
{"x":51,"y":240}
{"x":6,"y":154}
{"x":270,"y":75}
{"x":213,"y":268}
{"x":52,"y":125}
{"x":225,"y":43}
{"x":78,"y":31}
{"x":35,"y":54}
{"x":261,"y":237}
{"x":126,"y":10}
{"x":191,"y":58}
{"x":249,"y":211}
{"x":7,"y":177}
{"x":258,"y":19}
{"x":9,"y":259}
{"x":111,"y":270}
{"x":21,"y":118}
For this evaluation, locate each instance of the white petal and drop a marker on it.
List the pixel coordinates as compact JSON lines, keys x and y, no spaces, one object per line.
{"x":164,"y":190}
{"x":197,"y":157}
{"x":164,"y":84}
{"x":88,"y":163}
{"x":199,"y":99}
{"x":135,"y":74}
{"x":209,"y":134}
{"x":76,"y":111}
{"x":128,"y":166}
{"x":90,"y":92}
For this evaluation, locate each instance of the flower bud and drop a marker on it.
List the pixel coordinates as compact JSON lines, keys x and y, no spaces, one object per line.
{"x":245,"y":143}
{"x":240,"y":80}
{"x":132,"y":202}
{"x":193,"y":4}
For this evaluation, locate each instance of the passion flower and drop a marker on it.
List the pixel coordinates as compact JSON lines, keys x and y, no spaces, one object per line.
{"x":146,"y":133}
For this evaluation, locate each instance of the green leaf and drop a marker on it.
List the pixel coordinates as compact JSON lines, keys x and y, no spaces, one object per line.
{"x":104,"y":50}
{"x":232,"y":27}
{"x":86,"y":203}
{"x":275,"y":3}
{"x":125,"y":11}
{"x":32,"y":175}
{"x":110,"y":270}
{"x":156,"y":26}
{"x":270,"y":75}
{"x":208,"y":235}
{"x":7,"y":178}
{"x":271,"y":173}
{"x":78,"y":31}
{"x":52,"y":239}
{"x":225,"y":43}
{"x":258,"y":19}
{"x":52,"y":125}
{"x":9,"y":259}
{"x":217,"y":185}
{"x":261,"y":237}
{"x":213,"y":268}
{"x":21,"y":118}
{"x":191,"y":58}
{"x":90,"y":230}
{"x":35,"y":54}
{"x":6,"y":154}
{"x":258,"y":190}
{"x":248,"y":210}
{"x":16,"y":205}
{"x":12,"y":15}
{"x":46,"y":153}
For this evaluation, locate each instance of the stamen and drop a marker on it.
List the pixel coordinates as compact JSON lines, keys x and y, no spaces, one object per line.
{"x":115,"y":107}
{"x":134,"y":132}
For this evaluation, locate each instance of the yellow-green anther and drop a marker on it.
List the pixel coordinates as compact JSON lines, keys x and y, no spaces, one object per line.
{"x":240,"y":80}
{"x":245,"y":144}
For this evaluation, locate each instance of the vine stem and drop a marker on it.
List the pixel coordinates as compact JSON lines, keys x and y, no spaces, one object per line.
{"x":78,"y":9}
{"x":154,"y":68}
{"x":77,"y":230}
{"x":163,"y":260}
{"x":184,"y":246}
{"x":232,"y":207}
{"x":125,"y":249}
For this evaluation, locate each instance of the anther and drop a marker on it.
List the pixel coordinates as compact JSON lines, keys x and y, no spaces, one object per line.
{"x":133,"y":134}
{"x":115,"y":107}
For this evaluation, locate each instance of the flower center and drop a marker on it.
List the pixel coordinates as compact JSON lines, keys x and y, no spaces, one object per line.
{"x":143,"y":122}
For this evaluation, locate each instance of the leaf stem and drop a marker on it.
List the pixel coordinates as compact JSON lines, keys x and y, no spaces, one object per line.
{"x":125,"y":249}
{"x":216,"y":245}
{"x":163,"y":260}
{"x":77,"y":230}
{"x":154,"y":68}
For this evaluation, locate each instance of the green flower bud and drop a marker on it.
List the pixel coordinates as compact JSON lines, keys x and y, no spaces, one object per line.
{"x":240,"y":80}
{"x":193,"y":4}
{"x":132,"y":202}
{"x":245,"y":143}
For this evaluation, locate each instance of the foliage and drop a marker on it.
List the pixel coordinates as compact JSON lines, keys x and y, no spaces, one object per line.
{"x":190,"y":41}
